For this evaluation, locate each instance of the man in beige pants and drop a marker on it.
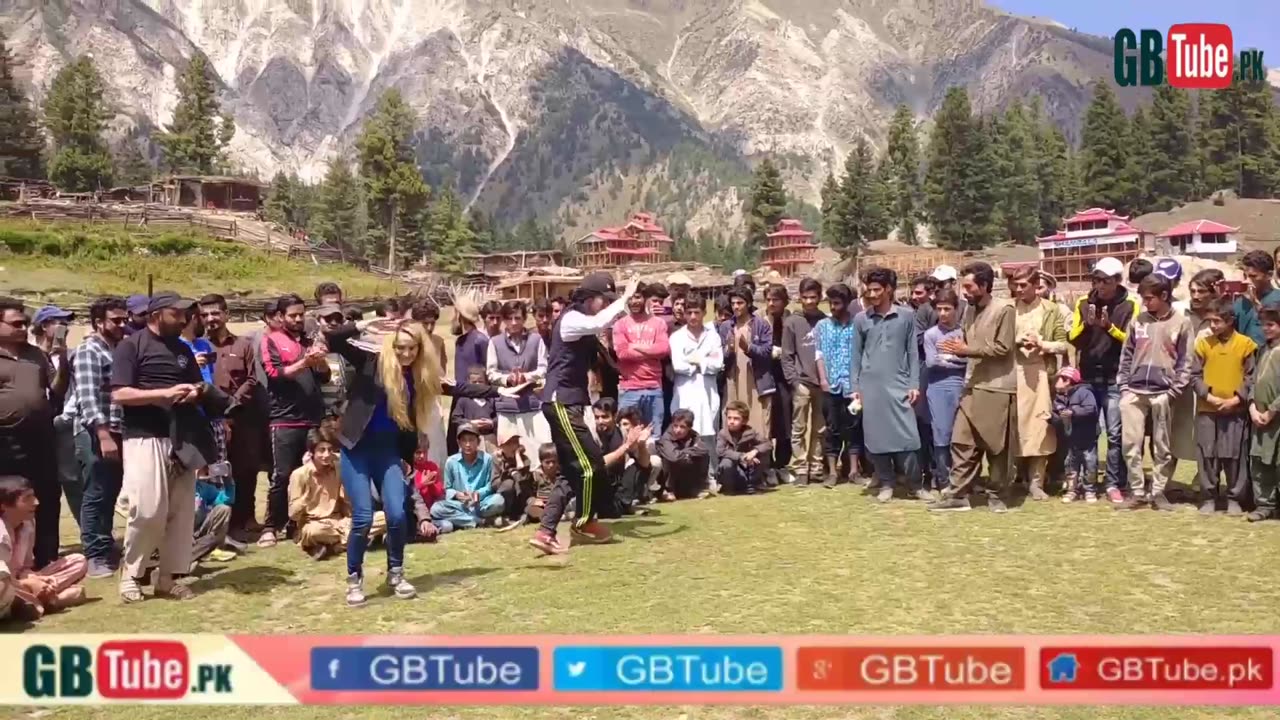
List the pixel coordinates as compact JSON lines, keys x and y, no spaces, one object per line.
{"x":167,"y":438}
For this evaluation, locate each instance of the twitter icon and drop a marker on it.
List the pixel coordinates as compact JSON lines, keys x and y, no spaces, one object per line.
{"x":576,"y":668}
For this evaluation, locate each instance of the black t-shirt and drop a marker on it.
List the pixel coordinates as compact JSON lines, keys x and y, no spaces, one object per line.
{"x":146,"y":361}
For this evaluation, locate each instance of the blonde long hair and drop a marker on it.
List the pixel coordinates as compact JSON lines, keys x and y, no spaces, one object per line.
{"x":425,"y":372}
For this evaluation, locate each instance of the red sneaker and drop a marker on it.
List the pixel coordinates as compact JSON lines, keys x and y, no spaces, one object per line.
{"x":1115,"y":496}
{"x":547,"y":543}
{"x":592,"y":532}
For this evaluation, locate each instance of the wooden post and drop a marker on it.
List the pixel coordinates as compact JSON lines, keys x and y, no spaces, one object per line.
{"x":150,"y":285}
{"x":391,"y":243}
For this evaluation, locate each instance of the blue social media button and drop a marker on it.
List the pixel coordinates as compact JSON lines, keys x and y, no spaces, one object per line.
{"x":424,"y":668}
{"x":607,"y":668}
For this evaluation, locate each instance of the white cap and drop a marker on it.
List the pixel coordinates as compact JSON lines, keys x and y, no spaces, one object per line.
{"x":739,"y":272}
{"x":1108,"y":266}
{"x":945,"y":273}
{"x":678,"y":278}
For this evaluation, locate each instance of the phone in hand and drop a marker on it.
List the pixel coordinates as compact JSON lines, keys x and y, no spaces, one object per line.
{"x":1230,"y":288}
{"x":1091,"y":314}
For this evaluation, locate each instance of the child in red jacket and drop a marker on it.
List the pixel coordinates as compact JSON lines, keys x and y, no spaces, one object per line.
{"x":429,"y":484}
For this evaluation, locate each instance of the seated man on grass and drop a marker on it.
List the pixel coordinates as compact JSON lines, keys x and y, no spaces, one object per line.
{"x":628,"y":464}
{"x":27,"y":593}
{"x":469,"y":496}
{"x":214,"y":498}
{"x":685,"y":459}
{"x":741,"y":451}
{"x":511,"y":473}
{"x":319,"y":505}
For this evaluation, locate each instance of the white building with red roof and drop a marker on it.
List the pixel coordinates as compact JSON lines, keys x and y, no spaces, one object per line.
{"x":789,"y":247}
{"x":640,"y":240}
{"x":1198,"y":237}
{"x":1088,"y":236}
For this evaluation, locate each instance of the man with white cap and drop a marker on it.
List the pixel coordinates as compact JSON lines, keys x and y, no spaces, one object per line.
{"x":1099,"y":327}
{"x":946,"y":277}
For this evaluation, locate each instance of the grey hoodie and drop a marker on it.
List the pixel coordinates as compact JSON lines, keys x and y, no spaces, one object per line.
{"x":799,"y":365}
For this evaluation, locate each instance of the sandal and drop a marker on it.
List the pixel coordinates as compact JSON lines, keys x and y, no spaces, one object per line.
{"x":267,"y":539}
{"x":177,"y":592}
{"x":130,"y":593}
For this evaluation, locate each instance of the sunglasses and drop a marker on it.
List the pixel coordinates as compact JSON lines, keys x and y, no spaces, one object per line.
{"x":17,"y":324}
{"x":116,"y":320}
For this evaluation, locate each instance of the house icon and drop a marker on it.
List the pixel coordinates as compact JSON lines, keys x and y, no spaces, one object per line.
{"x":1062,"y":669}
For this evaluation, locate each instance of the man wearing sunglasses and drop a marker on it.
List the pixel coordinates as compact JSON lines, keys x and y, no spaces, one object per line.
{"x":28,"y":381}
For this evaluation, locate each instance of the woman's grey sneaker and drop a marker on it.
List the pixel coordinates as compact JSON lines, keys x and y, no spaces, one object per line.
{"x":99,"y":568}
{"x":950,"y":503}
{"x":400,"y":586}
{"x":996,"y":505}
{"x":355,"y":590}
{"x":885,"y":495}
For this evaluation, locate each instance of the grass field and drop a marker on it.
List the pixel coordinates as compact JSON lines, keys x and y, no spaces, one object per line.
{"x":800,"y":560}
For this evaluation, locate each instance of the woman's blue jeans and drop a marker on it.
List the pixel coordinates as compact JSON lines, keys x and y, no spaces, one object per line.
{"x":375,"y":459}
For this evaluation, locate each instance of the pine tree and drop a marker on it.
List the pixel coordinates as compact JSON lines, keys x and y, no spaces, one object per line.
{"x":76,"y":116}
{"x":904,"y":174}
{"x":986,"y":163}
{"x":340,"y":216}
{"x":880,"y":201}
{"x":1104,"y":151}
{"x":1238,"y":139}
{"x":446,"y":233}
{"x":830,"y":210}
{"x":855,"y":212}
{"x":766,"y":204}
{"x":132,"y":168}
{"x":1019,"y":201}
{"x":958,"y":158}
{"x":1140,"y":163}
{"x":199,"y":133}
{"x":1173,"y":168}
{"x":394,"y":187}
{"x":21,"y":142}
{"x":278,"y":207}
{"x":1055,"y":172}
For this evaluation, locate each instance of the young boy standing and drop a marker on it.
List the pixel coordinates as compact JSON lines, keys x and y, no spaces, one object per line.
{"x":835,"y":360}
{"x":1264,"y":411}
{"x":1154,"y":369}
{"x":318,"y":504}
{"x":1220,"y":373}
{"x":1078,"y":410}
{"x":742,"y":452}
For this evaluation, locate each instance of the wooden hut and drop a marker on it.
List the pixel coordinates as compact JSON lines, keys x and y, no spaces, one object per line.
{"x":213,"y":192}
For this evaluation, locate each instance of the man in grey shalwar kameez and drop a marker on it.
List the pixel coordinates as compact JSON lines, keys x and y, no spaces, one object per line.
{"x":885,"y":378}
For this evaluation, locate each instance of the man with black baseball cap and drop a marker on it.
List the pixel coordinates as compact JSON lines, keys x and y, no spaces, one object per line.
{"x":575,"y":344}
{"x":167,"y":438}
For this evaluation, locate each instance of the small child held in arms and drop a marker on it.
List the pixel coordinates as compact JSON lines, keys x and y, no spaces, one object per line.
{"x":469,"y":497}
{"x":319,"y":505}
{"x":27,"y":593}
{"x":480,"y":414}
{"x":1221,"y":367}
{"x":1264,"y":411}
{"x":685,"y":459}
{"x":429,"y":484}
{"x":1075,"y":405}
{"x":741,"y":452}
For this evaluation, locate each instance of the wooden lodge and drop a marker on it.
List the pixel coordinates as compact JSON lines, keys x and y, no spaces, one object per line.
{"x":502,"y":262}
{"x":539,"y":284}
{"x":1200,"y":238}
{"x":789,"y":248}
{"x":1087,"y":237}
{"x":640,"y":240}
{"x":213,"y":192}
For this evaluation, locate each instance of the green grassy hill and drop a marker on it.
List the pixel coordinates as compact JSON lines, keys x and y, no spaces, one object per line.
{"x":66,"y":262}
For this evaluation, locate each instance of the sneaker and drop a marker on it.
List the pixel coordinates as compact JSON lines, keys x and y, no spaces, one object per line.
{"x":220,"y":555}
{"x":1091,"y":497}
{"x":1115,"y":496}
{"x":1161,"y":503}
{"x":267,"y":539}
{"x":592,"y":532}
{"x":996,"y":505}
{"x":1208,"y":507}
{"x":949,"y":503}
{"x":830,"y":481}
{"x":99,"y":568}
{"x":500,"y":522}
{"x":1071,"y":496}
{"x":785,"y":477}
{"x":1234,"y":509}
{"x":355,"y":590}
{"x":925,"y":496}
{"x":400,"y":586}
{"x":885,"y":494}
{"x":1258,"y":516}
{"x":1038,"y":494}
{"x":547,"y":543}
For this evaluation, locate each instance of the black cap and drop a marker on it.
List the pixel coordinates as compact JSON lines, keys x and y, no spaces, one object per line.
{"x":600,"y":283}
{"x":169,"y":299}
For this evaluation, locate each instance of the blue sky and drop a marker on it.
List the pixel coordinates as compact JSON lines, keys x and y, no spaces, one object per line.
{"x":1253,"y":24}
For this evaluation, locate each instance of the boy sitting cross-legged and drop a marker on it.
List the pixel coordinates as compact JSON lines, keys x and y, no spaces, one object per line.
{"x":319,"y":505}
{"x":27,"y":593}
{"x":741,"y":451}
{"x":469,"y":494}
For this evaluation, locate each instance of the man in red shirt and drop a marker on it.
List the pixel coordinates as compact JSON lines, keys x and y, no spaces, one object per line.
{"x":641,"y":342}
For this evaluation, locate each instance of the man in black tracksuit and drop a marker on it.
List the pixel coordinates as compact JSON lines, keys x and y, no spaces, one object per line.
{"x":575,"y":345}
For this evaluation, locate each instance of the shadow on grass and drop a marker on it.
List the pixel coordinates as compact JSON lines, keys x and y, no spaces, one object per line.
{"x":635,"y":528}
{"x":254,"y":580}
{"x":431,"y":581}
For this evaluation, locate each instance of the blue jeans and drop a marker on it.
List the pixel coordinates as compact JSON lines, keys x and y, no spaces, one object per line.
{"x":1108,"y":398}
{"x":101,"y":489}
{"x":941,"y":466}
{"x":375,"y":459}
{"x":1084,"y":462}
{"x":450,"y":515}
{"x":648,"y":403}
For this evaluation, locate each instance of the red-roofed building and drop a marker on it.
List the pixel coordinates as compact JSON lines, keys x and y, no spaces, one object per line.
{"x":1198,"y":237}
{"x":1087,"y":237}
{"x":789,"y":247}
{"x":641,"y":240}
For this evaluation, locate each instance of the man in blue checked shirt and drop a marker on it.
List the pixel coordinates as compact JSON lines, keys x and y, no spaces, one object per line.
{"x":98,"y":431}
{"x":835,"y":360}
